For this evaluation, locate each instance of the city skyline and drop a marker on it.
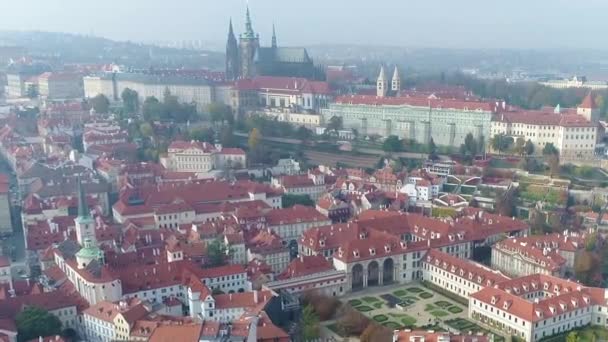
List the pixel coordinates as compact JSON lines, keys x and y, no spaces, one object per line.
{"x":468,"y":24}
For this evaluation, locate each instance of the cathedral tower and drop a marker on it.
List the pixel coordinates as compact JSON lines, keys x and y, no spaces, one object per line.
{"x":396,"y":81}
{"x":274,"y":37}
{"x":248,"y":46}
{"x":382,"y":83}
{"x":232,"y":55}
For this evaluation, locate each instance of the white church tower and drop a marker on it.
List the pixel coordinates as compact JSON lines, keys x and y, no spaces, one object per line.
{"x":382,"y":83}
{"x":396,"y":81}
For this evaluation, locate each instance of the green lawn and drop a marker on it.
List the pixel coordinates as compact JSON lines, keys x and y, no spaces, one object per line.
{"x":380,"y":318}
{"x":354,"y":302}
{"x":414,"y":289}
{"x":400,"y":293}
{"x":443,"y":304}
{"x":377,"y":305}
{"x":363,"y":308}
{"x":391,"y":325}
{"x":439,"y":313}
{"x":430,"y":307}
{"x":370,"y":299}
{"x":455,"y":309}
{"x":425,"y":295}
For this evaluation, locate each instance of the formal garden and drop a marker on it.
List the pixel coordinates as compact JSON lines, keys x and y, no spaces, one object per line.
{"x":406,"y":307}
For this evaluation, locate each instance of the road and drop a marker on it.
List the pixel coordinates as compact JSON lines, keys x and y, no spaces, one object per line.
{"x":14,"y":245}
{"x":366,"y":150}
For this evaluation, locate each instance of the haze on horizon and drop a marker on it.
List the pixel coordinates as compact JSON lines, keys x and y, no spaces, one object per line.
{"x":420,"y":23}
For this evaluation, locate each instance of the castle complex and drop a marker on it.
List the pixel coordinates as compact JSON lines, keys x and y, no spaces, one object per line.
{"x":245,"y":58}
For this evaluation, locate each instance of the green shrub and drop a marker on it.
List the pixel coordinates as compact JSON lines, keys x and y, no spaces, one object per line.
{"x":425,"y":295}
{"x":380,"y":318}
{"x":455,"y":309}
{"x":354,"y":302}
{"x":439,"y":313}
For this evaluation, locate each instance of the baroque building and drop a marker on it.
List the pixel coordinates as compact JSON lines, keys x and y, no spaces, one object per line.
{"x":247,"y":59}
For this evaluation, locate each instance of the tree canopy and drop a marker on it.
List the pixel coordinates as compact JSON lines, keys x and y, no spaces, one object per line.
{"x":130,"y":100}
{"x":550,"y":149}
{"x":289,"y":200}
{"x":217,"y":253}
{"x":219,"y":112}
{"x":309,"y":322}
{"x":335,"y":123}
{"x":392,"y":144}
{"x":100,"y":104}
{"x":170,"y":109}
{"x":34,"y":322}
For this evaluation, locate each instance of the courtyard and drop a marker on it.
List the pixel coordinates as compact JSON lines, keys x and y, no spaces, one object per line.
{"x":413,"y":306}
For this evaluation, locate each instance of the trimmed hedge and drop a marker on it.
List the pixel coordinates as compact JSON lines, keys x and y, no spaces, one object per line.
{"x":425,"y":295}
{"x":380,"y":318}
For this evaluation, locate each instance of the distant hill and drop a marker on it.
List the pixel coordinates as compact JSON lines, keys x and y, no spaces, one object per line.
{"x":72,"y":48}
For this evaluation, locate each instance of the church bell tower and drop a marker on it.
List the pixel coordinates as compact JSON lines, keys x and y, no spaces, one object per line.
{"x":381,"y":83}
{"x":232,"y":55}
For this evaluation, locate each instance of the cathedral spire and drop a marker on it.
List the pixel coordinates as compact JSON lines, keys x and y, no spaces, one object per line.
{"x":83,"y":208}
{"x":232,"y":55}
{"x":248,"y":25}
{"x":274,"y":37}
{"x":231,"y":31}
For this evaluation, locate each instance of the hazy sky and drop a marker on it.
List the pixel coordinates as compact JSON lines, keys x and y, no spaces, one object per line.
{"x":416,"y":23}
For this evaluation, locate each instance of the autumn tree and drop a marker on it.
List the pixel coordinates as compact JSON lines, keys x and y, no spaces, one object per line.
{"x":254,"y":139}
{"x":553,"y":162}
{"x":520,"y":144}
{"x":324,"y":306}
{"x":376,"y":332}
{"x":351,"y":321}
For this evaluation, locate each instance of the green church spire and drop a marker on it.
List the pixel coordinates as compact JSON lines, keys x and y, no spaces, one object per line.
{"x":249,"y":34}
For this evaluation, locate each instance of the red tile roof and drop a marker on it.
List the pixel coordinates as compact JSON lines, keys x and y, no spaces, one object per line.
{"x":431,"y":336}
{"x":589,"y":102}
{"x":464,"y":268}
{"x":416,"y":102}
{"x":305,"y":265}
{"x":296,"y":214}
{"x":544,"y":118}
{"x":177,"y":332}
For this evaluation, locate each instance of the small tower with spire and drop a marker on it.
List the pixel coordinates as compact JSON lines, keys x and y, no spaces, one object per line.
{"x":232,"y":55}
{"x":85,"y":225}
{"x":396,"y":81}
{"x":85,"y":232}
{"x":274,"y":37}
{"x":382,"y":83}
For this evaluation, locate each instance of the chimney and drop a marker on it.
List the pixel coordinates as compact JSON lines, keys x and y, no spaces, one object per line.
{"x":255,"y":296}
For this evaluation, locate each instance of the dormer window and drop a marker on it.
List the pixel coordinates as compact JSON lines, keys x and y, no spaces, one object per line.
{"x":387,"y":248}
{"x":479,"y":280}
{"x":494,"y":300}
{"x":563,"y":305}
{"x":322,"y":243}
{"x":546,"y":286}
{"x":506,"y":305}
{"x":516,"y":290}
{"x":586,"y":299}
{"x":356,"y":253}
{"x":552,"y":309}
{"x":470,"y":276}
{"x":539,"y":313}
{"x":556,"y":288}
{"x":372,"y":251}
{"x":461,"y":272}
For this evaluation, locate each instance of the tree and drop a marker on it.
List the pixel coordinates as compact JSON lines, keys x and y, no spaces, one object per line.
{"x":520,"y":144}
{"x":254,"y":139}
{"x":289,"y":201}
{"x":529,"y":148}
{"x":505,"y":203}
{"x":351,"y":321}
{"x":217,"y":253}
{"x":550,"y":149}
{"x":227,"y":138}
{"x":335,"y":123}
{"x":34,"y":322}
{"x":202,"y":134}
{"x":146,"y":129}
{"x":325,"y":306}
{"x":470,"y":148}
{"x":553,"y":161}
{"x":309,"y":322}
{"x":433,"y":150}
{"x":130,"y":100}
{"x":499,"y":142}
{"x":304,"y":133}
{"x":152,"y":109}
{"x":220,"y":112}
{"x":392,"y":144}
{"x":376,"y":332}
{"x":572,"y":337}
{"x":100,"y":104}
